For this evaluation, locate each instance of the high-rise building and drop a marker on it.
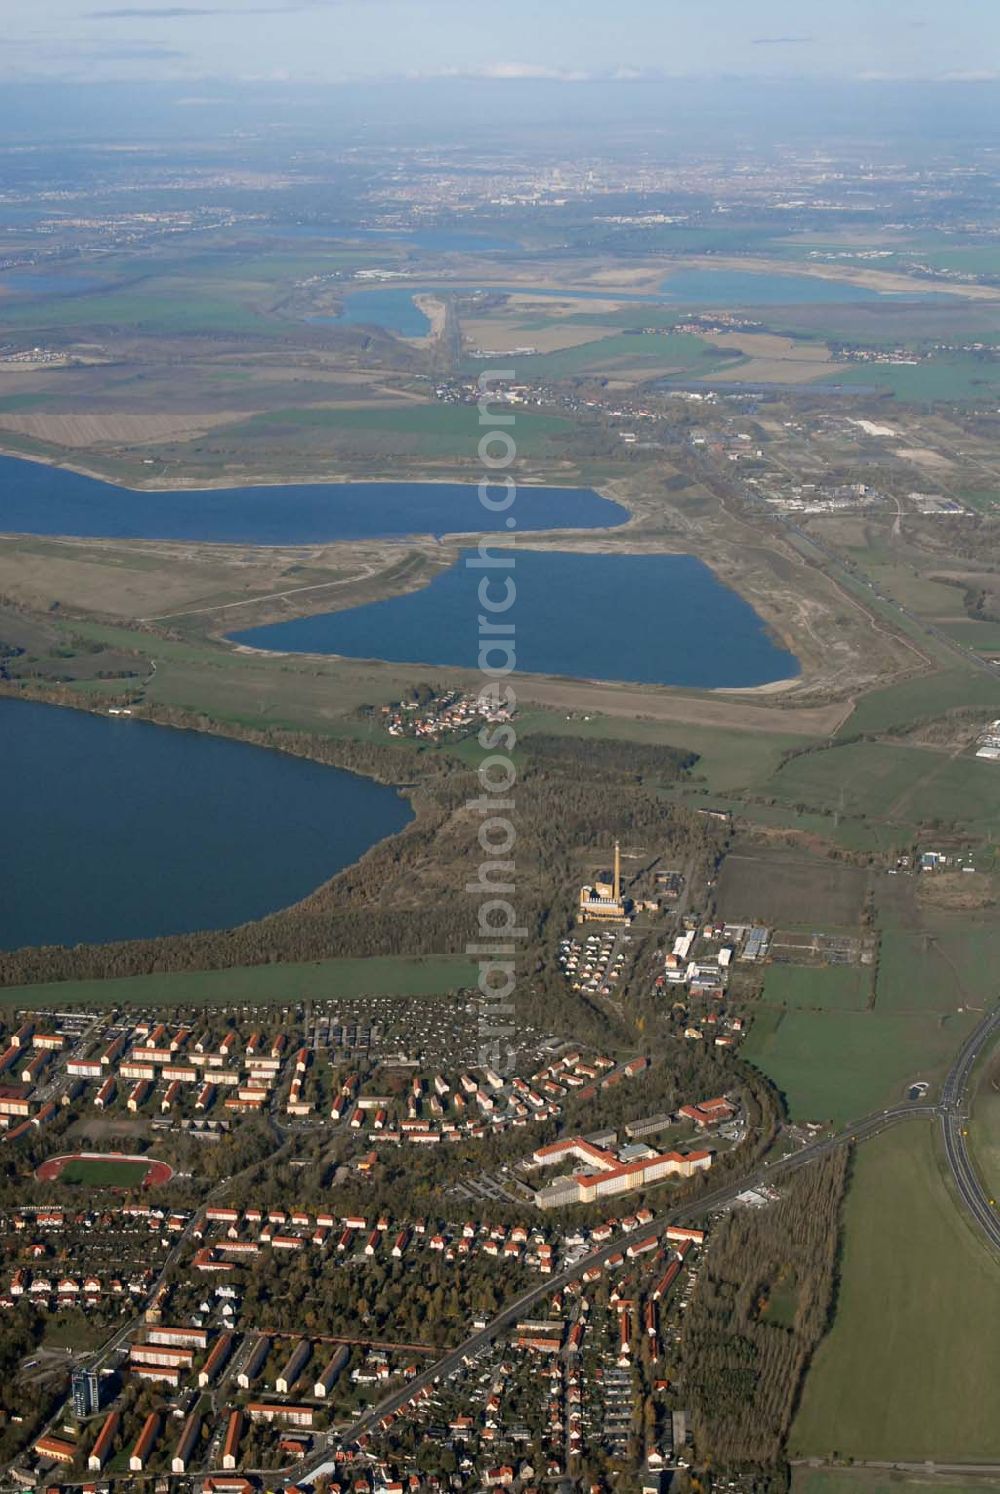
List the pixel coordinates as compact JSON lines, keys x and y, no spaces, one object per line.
{"x":86,"y":1392}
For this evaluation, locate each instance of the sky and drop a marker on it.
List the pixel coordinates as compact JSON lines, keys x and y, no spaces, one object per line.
{"x":330,"y":41}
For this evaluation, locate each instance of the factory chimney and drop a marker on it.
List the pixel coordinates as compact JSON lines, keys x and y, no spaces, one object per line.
{"x":617,"y":889}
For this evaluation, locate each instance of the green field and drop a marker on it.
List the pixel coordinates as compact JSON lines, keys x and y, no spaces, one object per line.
{"x":655,"y":351}
{"x":910,"y":1368}
{"x":903,"y":785}
{"x":387,"y":975}
{"x":833,"y":988}
{"x":840,"y":1065}
{"x":95,"y":1172}
{"x":162,"y":305}
{"x":727,"y":760}
{"x":937,"y":971}
{"x":842,"y":830}
{"x":947,"y":378}
{"x":876,"y":1481}
{"x":432,"y":430}
{"x":922,"y":699}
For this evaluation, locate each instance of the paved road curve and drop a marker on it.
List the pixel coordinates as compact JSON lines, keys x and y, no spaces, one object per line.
{"x":950,"y":1109}
{"x":954,"y":1114}
{"x":695,"y":1208}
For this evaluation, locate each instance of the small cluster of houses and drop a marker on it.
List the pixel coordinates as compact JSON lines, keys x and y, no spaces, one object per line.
{"x":594,"y":964}
{"x":235,"y":1236}
{"x":473,"y":1104}
{"x":452,"y":713}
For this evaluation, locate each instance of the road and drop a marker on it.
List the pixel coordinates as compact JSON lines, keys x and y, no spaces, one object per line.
{"x":954,"y":1114}
{"x":695,"y":1208}
{"x":860,"y":581}
{"x":950,"y":1109}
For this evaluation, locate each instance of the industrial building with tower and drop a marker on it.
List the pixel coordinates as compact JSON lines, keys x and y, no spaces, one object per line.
{"x":603,"y":902}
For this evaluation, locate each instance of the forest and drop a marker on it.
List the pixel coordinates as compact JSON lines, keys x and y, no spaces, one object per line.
{"x":764,"y":1299}
{"x":407,"y":895}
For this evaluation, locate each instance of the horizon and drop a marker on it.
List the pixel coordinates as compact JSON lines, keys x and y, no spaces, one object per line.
{"x":345,"y":41}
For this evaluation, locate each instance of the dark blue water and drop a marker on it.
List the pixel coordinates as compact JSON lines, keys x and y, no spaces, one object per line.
{"x":394,"y":309}
{"x":36,"y":499}
{"x":651,"y":619}
{"x":117,"y":829}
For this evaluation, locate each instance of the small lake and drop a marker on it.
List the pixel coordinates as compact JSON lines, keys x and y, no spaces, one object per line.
{"x":118,"y":829}
{"x":648,"y":619}
{"x":38,"y":499}
{"x":393,"y":309}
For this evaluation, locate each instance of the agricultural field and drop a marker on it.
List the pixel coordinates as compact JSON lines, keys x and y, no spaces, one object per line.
{"x":258,"y":985}
{"x":957,"y":378}
{"x":827,"y":988}
{"x":156,"y":306}
{"x":860,"y":1480}
{"x":726,"y":760}
{"x":922,"y":699}
{"x":639,"y":355}
{"x":906,"y":1371}
{"x":839,"y":1065}
{"x":418,"y":430}
{"x":937,"y":969}
{"x":903,"y":785}
{"x":776,"y":885}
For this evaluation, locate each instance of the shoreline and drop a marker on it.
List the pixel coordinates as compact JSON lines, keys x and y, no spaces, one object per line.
{"x":339,"y":479}
{"x":664,"y":693}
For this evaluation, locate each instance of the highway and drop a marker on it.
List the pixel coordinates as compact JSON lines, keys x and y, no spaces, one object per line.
{"x":954,"y":1115}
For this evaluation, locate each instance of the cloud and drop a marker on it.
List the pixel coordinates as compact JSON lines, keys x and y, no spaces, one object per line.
{"x":531,"y":71}
{"x":780,"y":41}
{"x":161,"y":13}
{"x":188,"y":12}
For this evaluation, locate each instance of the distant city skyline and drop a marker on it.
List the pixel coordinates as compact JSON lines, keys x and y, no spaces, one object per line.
{"x":354,"y":40}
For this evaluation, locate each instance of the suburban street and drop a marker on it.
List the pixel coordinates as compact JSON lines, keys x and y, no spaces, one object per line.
{"x":950,"y":1108}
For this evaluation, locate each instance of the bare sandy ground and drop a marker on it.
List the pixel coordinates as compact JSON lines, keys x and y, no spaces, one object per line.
{"x":773,"y":359}
{"x":436,"y":313}
{"x":696,"y":710}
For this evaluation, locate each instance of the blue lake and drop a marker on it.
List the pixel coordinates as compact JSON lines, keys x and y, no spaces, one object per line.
{"x":649,"y":619}
{"x":393,"y":309}
{"x":38,"y":499}
{"x":118,"y":829}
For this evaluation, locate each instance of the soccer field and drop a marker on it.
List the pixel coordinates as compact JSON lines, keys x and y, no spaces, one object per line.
{"x":96,"y":1172}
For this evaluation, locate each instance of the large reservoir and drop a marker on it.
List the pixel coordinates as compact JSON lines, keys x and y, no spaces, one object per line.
{"x":118,"y":829}
{"x":38,"y":499}
{"x":647,"y":619}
